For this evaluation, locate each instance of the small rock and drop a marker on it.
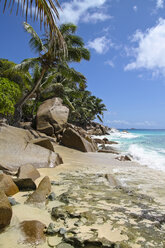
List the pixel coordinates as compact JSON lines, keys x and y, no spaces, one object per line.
{"x":7,"y":185}
{"x":12,"y":201}
{"x":51,"y":230}
{"x":41,"y":193}
{"x":25,"y":184}
{"x":52,"y":196}
{"x":124,"y":158}
{"x":62,"y":231}
{"x":33,"y":232}
{"x":28,"y":171}
{"x":5,"y":210}
{"x":64,"y":198}
{"x":58,"y":213}
{"x":113,"y":151}
{"x":99,"y":141}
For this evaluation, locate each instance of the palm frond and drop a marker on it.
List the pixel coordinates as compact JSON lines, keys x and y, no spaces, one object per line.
{"x":35,"y":41}
{"x":99,"y":118}
{"x":68,"y":28}
{"x":47,"y":13}
{"x":26,"y":64}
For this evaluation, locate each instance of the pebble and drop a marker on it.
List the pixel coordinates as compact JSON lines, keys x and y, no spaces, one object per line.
{"x":12,"y":201}
{"x":52,"y":196}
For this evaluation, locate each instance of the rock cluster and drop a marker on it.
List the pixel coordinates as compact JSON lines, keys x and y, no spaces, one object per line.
{"x":19,"y":147}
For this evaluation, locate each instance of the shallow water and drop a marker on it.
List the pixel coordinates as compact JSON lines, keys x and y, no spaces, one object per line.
{"x":147,"y":147}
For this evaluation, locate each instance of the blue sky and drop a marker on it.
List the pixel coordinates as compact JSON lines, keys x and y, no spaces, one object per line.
{"x":127,"y":43}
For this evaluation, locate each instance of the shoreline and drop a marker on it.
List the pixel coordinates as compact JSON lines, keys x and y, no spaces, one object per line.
{"x":115,"y":204}
{"x":139,"y":147}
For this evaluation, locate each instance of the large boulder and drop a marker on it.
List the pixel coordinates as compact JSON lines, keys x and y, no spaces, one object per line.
{"x":16,"y":149}
{"x":72,"y":139}
{"x":7,"y":185}
{"x":51,"y":116}
{"x":40,"y":195}
{"x":33,"y":232}
{"x":5,"y":210}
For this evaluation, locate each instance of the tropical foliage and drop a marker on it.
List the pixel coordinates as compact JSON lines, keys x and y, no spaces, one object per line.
{"x":50,"y":75}
{"x":9,"y":94}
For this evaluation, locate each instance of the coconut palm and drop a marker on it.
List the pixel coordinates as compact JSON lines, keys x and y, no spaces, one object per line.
{"x":51,"y":55}
{"x":57,"y":82}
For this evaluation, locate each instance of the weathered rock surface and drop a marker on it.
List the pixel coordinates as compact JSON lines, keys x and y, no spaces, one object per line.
{"x":99,"y":141}
{"x":33,"y":232}
{"x":105,"y":214}
{"x":16,"y":149}
{"x":51,"y":116}
{"x":72,"y":139}
{"x":5,"y":210}
{"x":108,"y":149}
{"x":41,"y":193}
{"x":28,"y":171}
{"x":7,"y":170}
{"x":124,"y":158}
{"x":44,"y":142}
{"x":109,"y":142}
{"x":97,"y":129}
{"x":7,"y":185}
{"x":25,"y":184}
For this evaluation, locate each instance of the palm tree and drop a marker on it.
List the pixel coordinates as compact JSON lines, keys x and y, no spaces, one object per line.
{"x":51,"y":55}
{"x":57,"y":82}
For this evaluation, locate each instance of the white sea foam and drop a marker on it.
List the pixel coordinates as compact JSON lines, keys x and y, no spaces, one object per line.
{"x":123,"y":135}
{"x":162,"y":150}
{"x":116,"y":135}
{"x":147,"y":157}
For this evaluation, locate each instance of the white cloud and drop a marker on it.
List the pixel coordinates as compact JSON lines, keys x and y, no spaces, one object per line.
{"x":159,"y":4}
{"x":149,"y":53}
{"x":82,"y":11}
{"x":121,"y":122}
{"x":98,"y":16}
{"x":101,"y":44}
{"x":135,"y":8}
{"x":110,"y":63}
{"x":131,"y":123}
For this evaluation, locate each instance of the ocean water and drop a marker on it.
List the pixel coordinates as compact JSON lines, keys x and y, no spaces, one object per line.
{"x":147,"y":147}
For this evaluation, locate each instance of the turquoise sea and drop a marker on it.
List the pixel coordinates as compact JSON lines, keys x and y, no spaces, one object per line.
{"x":145,"y":146}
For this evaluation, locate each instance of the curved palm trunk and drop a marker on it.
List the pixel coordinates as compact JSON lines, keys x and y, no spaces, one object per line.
{"x":19,"y":105}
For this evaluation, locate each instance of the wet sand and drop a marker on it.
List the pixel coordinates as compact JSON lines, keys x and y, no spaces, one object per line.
{"x":124,"y":211}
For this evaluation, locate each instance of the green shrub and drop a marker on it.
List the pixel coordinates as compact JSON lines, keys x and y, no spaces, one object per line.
{"x":9,"y":95}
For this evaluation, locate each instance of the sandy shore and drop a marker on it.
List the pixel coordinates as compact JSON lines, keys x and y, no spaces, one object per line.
{"x":127,"y":210}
